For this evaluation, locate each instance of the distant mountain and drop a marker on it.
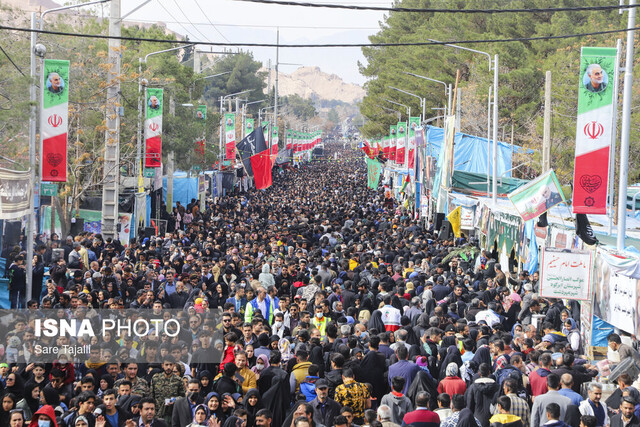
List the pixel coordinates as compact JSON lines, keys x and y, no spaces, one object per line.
{"x":311,"y":82}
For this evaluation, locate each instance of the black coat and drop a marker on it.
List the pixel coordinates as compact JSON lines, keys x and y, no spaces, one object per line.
{"x":181,"y":415}
{"x":371,"y":371}
{"x":479,"y":397}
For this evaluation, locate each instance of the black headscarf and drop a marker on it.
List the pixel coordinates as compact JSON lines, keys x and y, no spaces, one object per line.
{"x":467,"y":419}
{"x":482,"y":355}
{"x":233,"y":421}
{"x":252,"y":410}
{"x":17,"y":388}
{"x":33,"y":404}
{"x":453,"y":356}
{"x":205,"y":390}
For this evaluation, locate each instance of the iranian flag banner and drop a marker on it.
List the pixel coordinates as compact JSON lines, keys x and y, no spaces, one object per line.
{"x":385,"y":146}
{"x":248,"y":126}
{"x":153,"y":128}
{"x":595,"y":124}
{"x":230,"y":135}
{"x":414,"y":122}
{"x":289,"y":140}
{"x":265,"y":131}
{"x":392,"y":142}
{"x":274,"y":136}
{"x":54,"y":120}
{"x":401,"y":140}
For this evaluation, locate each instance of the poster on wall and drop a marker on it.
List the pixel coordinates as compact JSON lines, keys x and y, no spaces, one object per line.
{"x":467,"y":217}
{"x":566,"y":274}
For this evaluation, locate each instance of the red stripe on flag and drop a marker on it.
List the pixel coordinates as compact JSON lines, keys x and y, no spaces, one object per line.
{"x":153,"y":158}
{"x":54,"y":156}
{"x":590,"y":182}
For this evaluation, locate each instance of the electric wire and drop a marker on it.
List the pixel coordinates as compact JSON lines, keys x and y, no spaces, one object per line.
{"x":11,"y":60}
{"x":470,"y":11}
{"x":187,"y":18}
{"x":212,"y":24}
{"x":328,"y":45}
{"x":187,"y":32}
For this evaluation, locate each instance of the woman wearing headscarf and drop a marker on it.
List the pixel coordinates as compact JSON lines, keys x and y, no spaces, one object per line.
{"x":570,"y":329}
{"x":200,"y":416}
{"x":252,"y":404}
{"x":262,"y":362}
{"x":206,"y":382}
{"x":375,"y":322}
{"x":31,"y":401}
{"x":452,"y":356}
{"x":15,"y":385}
{"x":212,"y":400}
{"x":106,"y":382}
{"x":8,"y":403}
{"x":452,"y":383}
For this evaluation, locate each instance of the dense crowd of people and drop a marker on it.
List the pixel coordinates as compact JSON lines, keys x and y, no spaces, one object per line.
{"x":317,"y":302}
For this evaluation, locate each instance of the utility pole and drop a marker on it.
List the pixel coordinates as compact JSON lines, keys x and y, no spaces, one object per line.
{"x":495,"y":130}
{"x":31,"y":220}
{"x":546,"y":138}
{"x":458,"y":109}
{"x":112,"y":135}
{"x":625,"y":129}
{"x":275,"y":98}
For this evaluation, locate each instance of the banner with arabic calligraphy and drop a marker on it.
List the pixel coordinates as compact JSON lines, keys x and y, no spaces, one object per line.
{"x":616,"y":295}
{"x":566,"y":274}
{"x":594,"y":129}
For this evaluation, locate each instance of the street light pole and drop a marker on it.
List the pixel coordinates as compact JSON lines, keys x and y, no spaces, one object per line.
{"x":447,"y":89}
{"x":422,"y":100}
{"x":495,"y":130}
{"x":401,"y":105}
{"x":625,"y":131}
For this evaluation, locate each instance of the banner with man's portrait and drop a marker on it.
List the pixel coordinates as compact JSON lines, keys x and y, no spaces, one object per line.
{"x":153,"y":128}
{"x":54,"y":119}
{"x":594,"y":132}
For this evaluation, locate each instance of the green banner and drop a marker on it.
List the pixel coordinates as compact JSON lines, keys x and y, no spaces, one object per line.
{"x":201,"y":112}
{"x":248,"y":126}
{"x":154,"y":102}
{"x":374,"y":170}
{"x":56,"y":74}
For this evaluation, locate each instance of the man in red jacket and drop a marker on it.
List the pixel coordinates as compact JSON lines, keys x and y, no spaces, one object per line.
{"x":422,"y":416}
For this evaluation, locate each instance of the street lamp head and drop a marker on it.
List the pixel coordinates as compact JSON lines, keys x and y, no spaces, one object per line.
{"x":40,"y":50}
{"x":144,"y":82}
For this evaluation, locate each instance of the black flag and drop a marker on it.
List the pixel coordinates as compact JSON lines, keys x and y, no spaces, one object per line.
{"x":542,"y":220}
{"x":247,"y":148}
{"x":584,"y":230}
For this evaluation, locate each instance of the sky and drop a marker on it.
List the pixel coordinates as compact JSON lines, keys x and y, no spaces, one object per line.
{"x":238,"y":21}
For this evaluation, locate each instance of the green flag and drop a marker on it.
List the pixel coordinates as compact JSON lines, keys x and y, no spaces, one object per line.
{"x":374,"y":169}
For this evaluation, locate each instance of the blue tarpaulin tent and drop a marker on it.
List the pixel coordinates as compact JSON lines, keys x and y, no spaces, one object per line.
{"x":184,"y":188}
{"x":471,"y":152}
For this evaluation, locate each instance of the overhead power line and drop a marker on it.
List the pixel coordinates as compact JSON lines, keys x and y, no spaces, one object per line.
{"x":472,"y":11}
{"x":328,"y":45}
{"x":11,"y":60}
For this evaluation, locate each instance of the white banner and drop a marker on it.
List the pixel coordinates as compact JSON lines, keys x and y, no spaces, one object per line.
{"x":566,"y":274}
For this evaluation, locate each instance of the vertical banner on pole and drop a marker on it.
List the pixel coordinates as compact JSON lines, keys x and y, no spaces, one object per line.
{"x":274,"y":145}
{"x":153,"y":128}
{"x":230,"y":135}
{"x":392,"y":142}
{"x":248,"y":126}
{"x":414,"y":122}
{"x":265,"y":130}
{"x":201,"y":112}
{"x":593,"y":136}
{"x":401,"y":138}
{"x":54,"y":120}
{"x":289,"y":141}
